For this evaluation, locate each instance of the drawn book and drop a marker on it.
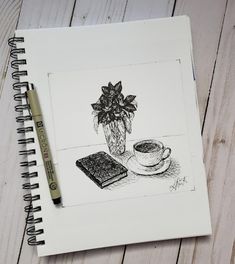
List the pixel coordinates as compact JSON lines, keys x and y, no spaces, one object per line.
{"x":102,"y":169}
{"x":120,"y":109}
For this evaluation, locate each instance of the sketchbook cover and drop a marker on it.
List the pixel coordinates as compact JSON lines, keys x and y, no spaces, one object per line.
{"x":127,"y":90}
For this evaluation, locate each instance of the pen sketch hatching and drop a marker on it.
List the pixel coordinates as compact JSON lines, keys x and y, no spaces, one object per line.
{"x":115,"y":113}
{"x":170,"y":174}
{"x":148,"y":158}
{"x":102,"y":169}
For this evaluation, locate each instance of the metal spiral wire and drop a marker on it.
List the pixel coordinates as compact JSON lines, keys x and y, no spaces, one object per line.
{"x":23,"y":130}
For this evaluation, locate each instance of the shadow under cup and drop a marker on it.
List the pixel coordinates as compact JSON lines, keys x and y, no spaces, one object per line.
{"x":150,"y":152}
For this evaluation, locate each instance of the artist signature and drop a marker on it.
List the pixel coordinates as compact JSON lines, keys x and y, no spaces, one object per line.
{"x":177,"y":183}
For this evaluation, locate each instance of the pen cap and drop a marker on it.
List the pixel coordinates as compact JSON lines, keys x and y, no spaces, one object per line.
{"x":34,"y":103}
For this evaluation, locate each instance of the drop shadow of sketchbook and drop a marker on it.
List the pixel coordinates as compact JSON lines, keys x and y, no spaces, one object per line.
{"x":120,"y":108}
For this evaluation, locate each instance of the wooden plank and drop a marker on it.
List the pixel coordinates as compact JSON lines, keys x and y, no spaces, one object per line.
{"x":206,"y":25}
{"x":83,"y":16}
{"x":104,"y":12}
{"x":45,"y":14}
{"x":88,"y":13}
{"x":12,"y":222}
{"x":77,"y":257}
{"x":138,"y":9}
{"x":98,"y":12}
{"x":153,"y":252}
{"x":98,"y":256}
{"x":9,"y":13}
{"x":164,"y":251}
{"x":219,"y":144}
{"x":206,"y":21}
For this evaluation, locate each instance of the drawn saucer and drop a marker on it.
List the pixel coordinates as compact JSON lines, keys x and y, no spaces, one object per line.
{"x":135,"y":167}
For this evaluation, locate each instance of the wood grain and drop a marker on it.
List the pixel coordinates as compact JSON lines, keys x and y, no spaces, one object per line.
{"x":85,"y":13}
{"x":12,"y":218}
{"x":206,"y":25}
{"x":45,"y":14}
{"x":163,"y":251}
{"x":206,"y":21}
{"x":12,"y":222}
{"x":88,"y":13}
{"x":218,"y":137}
{"x":219,"y":145}
{"x":98,"y":12}
{"x":153,"y":252}
{"x":9,"y":13}
{"x":139,"y":9}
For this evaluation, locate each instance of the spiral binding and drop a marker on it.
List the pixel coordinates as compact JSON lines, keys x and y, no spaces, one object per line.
{"x":17,"y":86}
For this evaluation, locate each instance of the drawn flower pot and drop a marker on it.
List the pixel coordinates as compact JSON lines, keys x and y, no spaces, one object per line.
{"x":115,"y":112}
{"x":115,"y":134}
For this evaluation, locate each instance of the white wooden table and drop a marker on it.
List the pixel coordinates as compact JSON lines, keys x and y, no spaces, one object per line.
{"x":214,"y":50}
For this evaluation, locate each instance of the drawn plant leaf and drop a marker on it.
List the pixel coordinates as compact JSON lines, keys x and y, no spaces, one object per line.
{"x":130,"y":98}
{"x":96,"y":107}
{"x":117,"y":108}
{"x":110,"y":86}
{"x":101,"y":117}
{"x":120,"y":99}
{"x":112,"y":106}
{"x":104,"y":100}
{"x":130,"y":108}
{"x":135,"y":103}
{"x":106,"y":118}
{"x":111,"y":116}
{"x":118,"y":87}
{"x":105,"y":90}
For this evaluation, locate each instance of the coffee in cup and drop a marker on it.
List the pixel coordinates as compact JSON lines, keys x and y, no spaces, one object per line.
{"x":150,"y":152}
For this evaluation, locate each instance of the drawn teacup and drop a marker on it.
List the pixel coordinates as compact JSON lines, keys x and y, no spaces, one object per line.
{"x":150,"y":152}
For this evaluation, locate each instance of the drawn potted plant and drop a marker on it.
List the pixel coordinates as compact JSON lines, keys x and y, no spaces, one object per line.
{"x":115,"y":112}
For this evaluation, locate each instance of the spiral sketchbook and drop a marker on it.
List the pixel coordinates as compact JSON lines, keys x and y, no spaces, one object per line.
{"x":120,"y":109}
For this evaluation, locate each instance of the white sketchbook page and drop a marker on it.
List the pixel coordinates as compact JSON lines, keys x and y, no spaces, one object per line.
{"x":78,"y":189}
{"x":159,"y":94}
{"x":54,"y":50}
{"x":160,"y":115}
